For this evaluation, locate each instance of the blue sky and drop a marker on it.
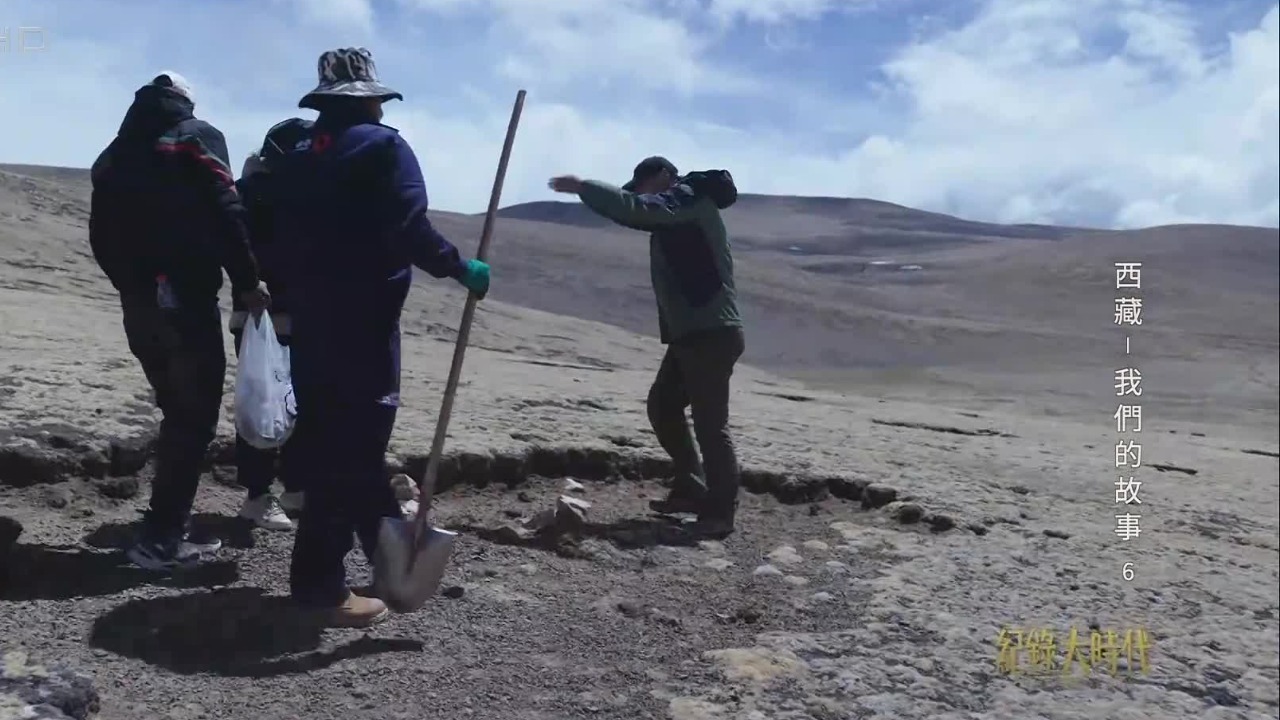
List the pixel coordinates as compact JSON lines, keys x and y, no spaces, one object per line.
{"x":1114,"y":113}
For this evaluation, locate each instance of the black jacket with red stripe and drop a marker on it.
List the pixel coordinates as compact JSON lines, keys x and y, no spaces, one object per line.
{"x":164,"y":202}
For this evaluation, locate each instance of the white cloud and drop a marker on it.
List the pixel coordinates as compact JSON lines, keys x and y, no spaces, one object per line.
{"x":1103,"y":112}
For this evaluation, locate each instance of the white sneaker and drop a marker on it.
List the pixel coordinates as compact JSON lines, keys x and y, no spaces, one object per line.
{"x":265,"y":512}
{"x":292,"y":501}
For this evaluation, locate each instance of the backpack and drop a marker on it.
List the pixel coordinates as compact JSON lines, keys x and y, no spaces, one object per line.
{"x":715,"y":184}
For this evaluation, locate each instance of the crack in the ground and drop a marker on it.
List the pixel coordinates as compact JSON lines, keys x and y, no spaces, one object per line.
{"x":980,"y":432}
{"x":58,"y":453}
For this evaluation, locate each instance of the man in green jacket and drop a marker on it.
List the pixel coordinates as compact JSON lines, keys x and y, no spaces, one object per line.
{"x":691,"y":267}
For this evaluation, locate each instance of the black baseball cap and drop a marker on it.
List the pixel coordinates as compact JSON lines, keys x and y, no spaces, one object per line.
{"x":283,"y":138}
{"x":649,"y":167}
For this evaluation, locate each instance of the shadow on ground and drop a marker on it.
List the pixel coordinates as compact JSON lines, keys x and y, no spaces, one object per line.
{"x":65,"y":572}
{"x":232,"y":531}
{"x":233,"y":632}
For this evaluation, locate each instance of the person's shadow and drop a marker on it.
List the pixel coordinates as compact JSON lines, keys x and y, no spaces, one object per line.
{"x":233,"y":632}
{"x":65,"y":572}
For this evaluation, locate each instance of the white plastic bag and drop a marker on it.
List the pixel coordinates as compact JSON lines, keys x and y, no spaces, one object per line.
{"x":265,"y":406}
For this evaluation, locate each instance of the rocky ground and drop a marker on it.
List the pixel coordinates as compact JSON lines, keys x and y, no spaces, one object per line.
{"x":883,"y":548}
{"x":896,"y":521}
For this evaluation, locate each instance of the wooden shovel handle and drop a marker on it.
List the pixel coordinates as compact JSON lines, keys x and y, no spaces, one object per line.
{"x":464,"y":331}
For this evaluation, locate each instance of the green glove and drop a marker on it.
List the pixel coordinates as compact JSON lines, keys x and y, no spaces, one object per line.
{"x":475,"y":277}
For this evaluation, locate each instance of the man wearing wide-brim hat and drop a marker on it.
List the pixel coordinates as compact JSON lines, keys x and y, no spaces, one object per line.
{"x":352,"y":213}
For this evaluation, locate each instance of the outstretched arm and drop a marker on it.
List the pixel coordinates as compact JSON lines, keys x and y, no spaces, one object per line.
{"x":415,"y":236}
{"x":675,"y":206}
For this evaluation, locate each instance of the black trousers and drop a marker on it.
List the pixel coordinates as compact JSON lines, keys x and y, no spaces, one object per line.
{"x":255,"y":467}
{"x":181,"y":353}
{"x":695,"y":374}
{"x":342,"y":449}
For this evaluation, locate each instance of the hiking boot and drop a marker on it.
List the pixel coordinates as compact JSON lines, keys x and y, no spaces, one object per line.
{"x":357,"y":611}
{"x":292,"y":501}
{"x":685,"y":496}
{"x":176,"y":554}
{"x":266,"y":511}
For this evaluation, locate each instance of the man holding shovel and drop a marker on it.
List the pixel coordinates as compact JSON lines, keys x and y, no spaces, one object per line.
{"x":351,"y":212}
{"x":691,"y":268}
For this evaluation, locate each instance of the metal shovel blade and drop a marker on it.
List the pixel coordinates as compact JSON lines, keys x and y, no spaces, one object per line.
{"x":407,"y":570}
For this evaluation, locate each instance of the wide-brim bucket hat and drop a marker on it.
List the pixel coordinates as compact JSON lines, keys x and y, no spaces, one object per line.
{"x":347,"y":72}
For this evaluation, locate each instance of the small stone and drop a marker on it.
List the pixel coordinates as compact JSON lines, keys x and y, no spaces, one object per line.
{"x":718,"y":564}
{"x":1059,"y":534}
{"x":714,"y":547}
{"x":404,"y":487}
{"x":785,"y":555}
{"x":877,"y":496}
{"x":571,"y":513}
{"x":528,"y":569}
{"x":453,"y":592}
{"x":795,"y":581}
{"x":908,"y":513}
{"x":821,"y":597}
{"x":766,"y":571}
{"x":524,"y":496}
{"x":664,"y":618}
{"x":938,"y":522}
{"x":835,"y":566}
{"x":571,"y":485}
{"x":816,"y":545}
{"x":977,"y":528}
{"x":629,"y":608}
{"x":30,"y":690}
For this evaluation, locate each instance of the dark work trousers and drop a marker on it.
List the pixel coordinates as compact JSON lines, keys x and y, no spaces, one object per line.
{"x":181,"y":352}
{"x":342,"y":448}
{"x":255,"y":467}
{"x":695,"y":374}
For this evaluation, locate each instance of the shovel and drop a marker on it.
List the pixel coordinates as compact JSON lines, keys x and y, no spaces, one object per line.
{"x":411,"y":557}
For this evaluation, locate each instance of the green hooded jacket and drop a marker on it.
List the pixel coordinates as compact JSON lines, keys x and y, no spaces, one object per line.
{"x":690,"y":258}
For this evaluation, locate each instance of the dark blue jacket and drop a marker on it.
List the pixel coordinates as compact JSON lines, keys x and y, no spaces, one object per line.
{"x":351,"y":217}
{"x":255,"y":192}
{"x":164,"y":202}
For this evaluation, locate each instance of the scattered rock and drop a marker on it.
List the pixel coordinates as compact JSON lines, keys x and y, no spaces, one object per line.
{"x":835,"y":566}
{"x":664,"y":618}
{"x":528,"y":569}
{"x":795,"y":581}
{"x":453,"y":592}
{"x":877,"y":496}
{"x":571,"y":485}
{"x":1019,"y":490}
{"x":801,"y":489}
{"x":908,"y":513}
{"x":785,"y":555}
{"x":571,"y":514}
{"x":939,"y":522}
{"x":816,"y":545}
{"x":404,"y":487}
{"x":977,"y":528}
{"x":1059,"y":534}
{"x":821,"y":597}
{"x":629,"y":609}
{"x":523,"y":496}
{"x":766,"y":571}
{"x":718,"y":564}
{"x":28,"y":690}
